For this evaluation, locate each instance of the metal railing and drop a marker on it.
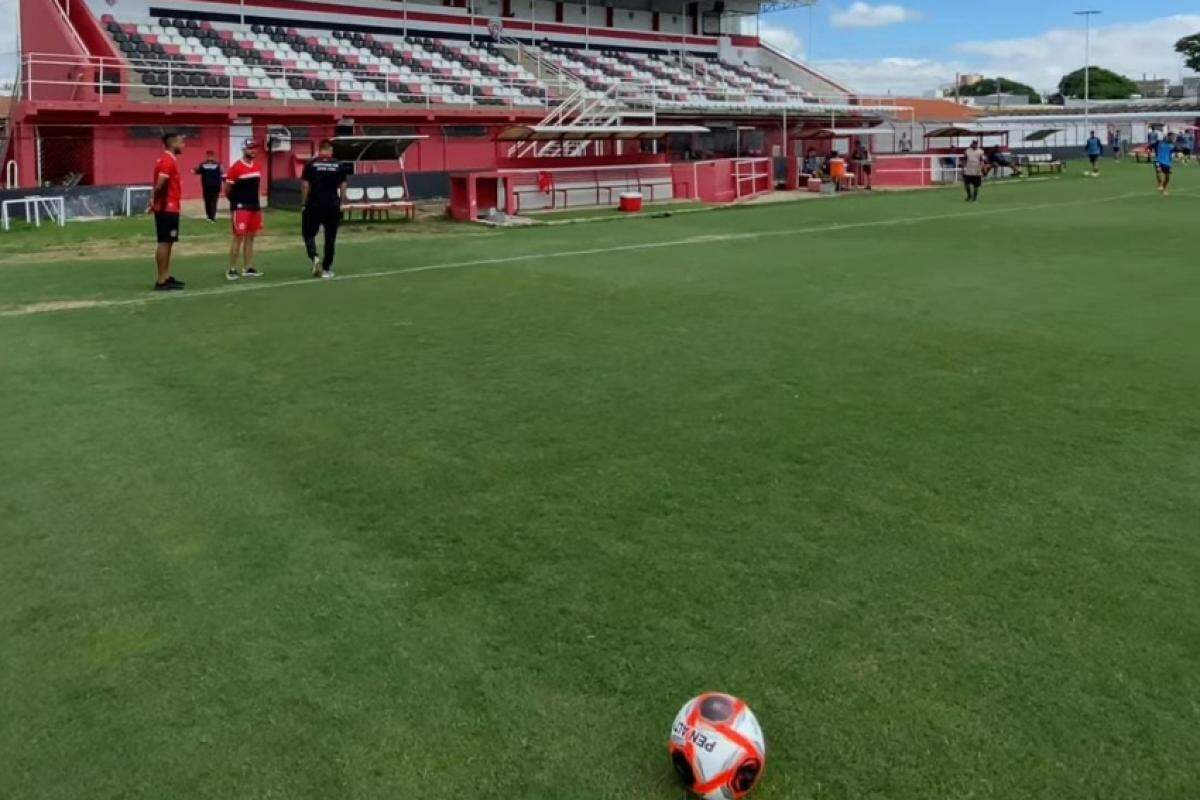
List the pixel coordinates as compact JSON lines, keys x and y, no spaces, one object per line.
{"x":70,"y":26}
{"x":531,"y":58}
{"x":649,"y":95}
{"x":96,"y":78}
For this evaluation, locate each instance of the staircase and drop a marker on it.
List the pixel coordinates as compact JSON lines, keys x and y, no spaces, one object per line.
{"x":584,"y":108}
{"x":577,"y":104}
{"x":559,"y":82}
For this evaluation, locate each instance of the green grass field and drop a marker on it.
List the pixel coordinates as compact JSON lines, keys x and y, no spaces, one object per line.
{"x":917,"y":479}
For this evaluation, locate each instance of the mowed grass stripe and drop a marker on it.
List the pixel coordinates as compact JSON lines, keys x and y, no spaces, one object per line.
{"x":923,"y":495}
{"x":62,"y":305}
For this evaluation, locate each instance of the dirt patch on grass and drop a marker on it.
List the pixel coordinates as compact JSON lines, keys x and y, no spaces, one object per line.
{"x":49,"y":306}
{"x":102,"y":249}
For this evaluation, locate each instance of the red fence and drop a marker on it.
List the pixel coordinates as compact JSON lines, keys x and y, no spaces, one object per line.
{"x":723,"y":180}
{"x":515,"y":191}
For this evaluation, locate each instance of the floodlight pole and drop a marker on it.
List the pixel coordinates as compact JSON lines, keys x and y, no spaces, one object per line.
{"x":1087,"y":64}
{"x":808,"y":45}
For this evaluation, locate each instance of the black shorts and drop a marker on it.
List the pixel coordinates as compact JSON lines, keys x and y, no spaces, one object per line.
{"x":1164,"y":169}
{"x":166,"y":226}
{"x":973,"y":180}
{"x":1094,"y":158}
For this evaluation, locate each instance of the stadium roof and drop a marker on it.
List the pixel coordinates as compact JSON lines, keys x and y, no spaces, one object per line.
{"x":1097,"y":116}
{"x":925,"y":109}
{"x":956,"y":131}
{"x":355,"y":148}
{"x":1042,"y":135}
{"x":546,"y":133}
{"x":840,"y":133}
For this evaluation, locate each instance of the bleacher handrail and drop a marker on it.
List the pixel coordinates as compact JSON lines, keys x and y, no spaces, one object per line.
{"x":70,"y":26}
{"x":567,"y":99}
{"x":101,"y":71}
{"x":647,"y":94}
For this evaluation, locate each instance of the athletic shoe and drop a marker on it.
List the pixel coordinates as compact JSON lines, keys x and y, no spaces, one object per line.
{"x":232,"y":275}
{"x":168,"y":286}
{"x":326,"y":274}
{"x":316,"y":267}
{"x":251,"y":272}
{"x":210,"y":221}
{"x":178,"y":284}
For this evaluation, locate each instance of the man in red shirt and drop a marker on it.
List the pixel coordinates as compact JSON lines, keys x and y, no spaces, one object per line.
{"x":164,"y":203}
{"x":241,"y":187}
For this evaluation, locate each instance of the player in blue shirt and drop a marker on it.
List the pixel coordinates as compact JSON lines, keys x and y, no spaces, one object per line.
{"x":1164,"y":152}
{"x":1094,"y":149}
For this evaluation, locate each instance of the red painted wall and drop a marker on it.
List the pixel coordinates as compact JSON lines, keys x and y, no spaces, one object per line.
{"x":902,"y":171}
{"x":43,"y":30}
{"x":122,"y":159}
{"x":118,"y":158}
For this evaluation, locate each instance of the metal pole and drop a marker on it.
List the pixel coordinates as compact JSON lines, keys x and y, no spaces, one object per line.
{"x":808,"y":44}
{"x":1087,"y":63}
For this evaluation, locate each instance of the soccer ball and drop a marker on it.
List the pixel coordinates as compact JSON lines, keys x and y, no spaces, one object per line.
{"x":717,"y":747}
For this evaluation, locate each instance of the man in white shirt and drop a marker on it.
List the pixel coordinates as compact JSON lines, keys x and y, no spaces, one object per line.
{"x":972,"y":165}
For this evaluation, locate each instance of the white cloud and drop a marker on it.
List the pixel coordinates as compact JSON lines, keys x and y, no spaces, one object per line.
{"x":898,"y":76}
{"x":1132,"y":49}
{"x":865,"y":15}
{"x":781,"y":38}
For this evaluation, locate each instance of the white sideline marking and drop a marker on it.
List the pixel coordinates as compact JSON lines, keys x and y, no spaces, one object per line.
{"x":52,"y":307}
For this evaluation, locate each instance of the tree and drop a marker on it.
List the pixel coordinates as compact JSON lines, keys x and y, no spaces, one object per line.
{"x":1189,"y":48}
{"x":1105,"y":85}
{"x":989,"y":86}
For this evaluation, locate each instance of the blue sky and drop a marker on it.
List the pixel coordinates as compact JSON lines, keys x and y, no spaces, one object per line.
{"x":913,"y":46}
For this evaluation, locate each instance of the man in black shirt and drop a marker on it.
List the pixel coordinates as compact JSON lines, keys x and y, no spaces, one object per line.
{"x":210,"y":182}
{"x":322,"y":188}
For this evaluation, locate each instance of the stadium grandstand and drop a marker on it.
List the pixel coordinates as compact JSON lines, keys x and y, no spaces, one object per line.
{"x":621,"y":84}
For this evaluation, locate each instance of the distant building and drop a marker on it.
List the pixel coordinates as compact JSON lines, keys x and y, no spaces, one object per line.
{"x":969,"y":79}
{"x":1153,"y":87}
{"x":998,"y":100}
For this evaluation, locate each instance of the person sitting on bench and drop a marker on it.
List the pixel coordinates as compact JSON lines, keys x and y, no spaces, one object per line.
{"x":997,"y":159}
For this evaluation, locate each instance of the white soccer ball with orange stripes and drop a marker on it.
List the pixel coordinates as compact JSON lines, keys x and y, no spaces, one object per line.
{"x":717,"y":747}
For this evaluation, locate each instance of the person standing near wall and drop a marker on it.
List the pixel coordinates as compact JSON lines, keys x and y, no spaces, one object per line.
{"x":322,"y":190}
{"x":210,"y":183}
{"x":862,"y":159}
{"x":165,"y":201}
